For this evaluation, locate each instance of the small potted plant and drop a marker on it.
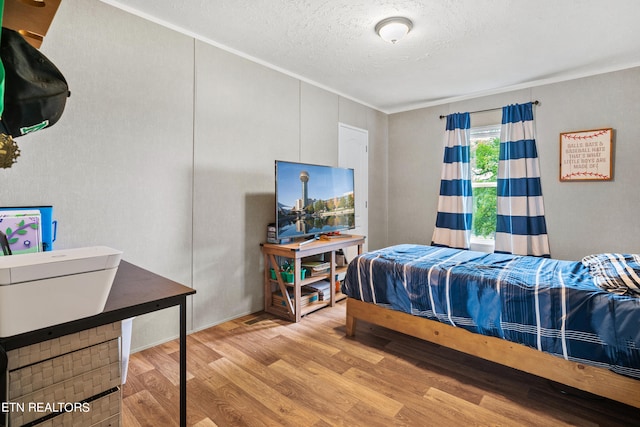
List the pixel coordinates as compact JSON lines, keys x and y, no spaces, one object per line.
{"x":286,"y":271}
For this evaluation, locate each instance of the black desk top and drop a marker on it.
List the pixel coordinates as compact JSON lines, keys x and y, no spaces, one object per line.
{"x":135,"y":291}
{"x":135,"y":287}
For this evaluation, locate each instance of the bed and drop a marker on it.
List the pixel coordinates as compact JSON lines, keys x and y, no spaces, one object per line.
{"x":576,"y":323}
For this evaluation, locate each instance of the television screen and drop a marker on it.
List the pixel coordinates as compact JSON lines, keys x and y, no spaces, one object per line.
{"x":313,"y":199}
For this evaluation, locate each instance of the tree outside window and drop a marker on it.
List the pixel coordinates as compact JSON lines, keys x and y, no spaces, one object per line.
{"x":485,"y":155}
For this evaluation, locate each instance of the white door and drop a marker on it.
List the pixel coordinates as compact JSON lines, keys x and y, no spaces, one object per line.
{"x":353,"y":146}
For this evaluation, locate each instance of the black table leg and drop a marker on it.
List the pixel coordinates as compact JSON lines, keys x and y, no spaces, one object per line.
{"x":183,"y":362}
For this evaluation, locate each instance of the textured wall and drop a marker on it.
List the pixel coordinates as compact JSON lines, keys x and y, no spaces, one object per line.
{"x":582,"y":217}
{"x":117,"y":166}
{"x":246,"y":116}
{"x":166,"y":151}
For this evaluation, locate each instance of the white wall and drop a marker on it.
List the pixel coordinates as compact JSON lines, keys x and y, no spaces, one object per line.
{"x":246,"y":116}
{"x":582,"y":217}
{"x":166,"y":150}
{"x":117,"y":167}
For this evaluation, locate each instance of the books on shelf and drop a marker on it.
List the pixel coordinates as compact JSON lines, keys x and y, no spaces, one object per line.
{"x":307,"y":297}
{"x":316,"y":268}
{"x":323,"y":288}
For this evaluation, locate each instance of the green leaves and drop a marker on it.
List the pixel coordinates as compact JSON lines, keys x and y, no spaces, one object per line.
{"x":13,"y":236}
{"x":486,"y":156}
{"x":484,"y":216}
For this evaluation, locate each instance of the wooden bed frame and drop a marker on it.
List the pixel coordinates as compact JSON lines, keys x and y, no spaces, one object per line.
{"x":598,"y":381}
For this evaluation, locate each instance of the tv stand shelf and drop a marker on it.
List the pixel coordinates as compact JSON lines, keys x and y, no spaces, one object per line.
{"x":292,"y":308}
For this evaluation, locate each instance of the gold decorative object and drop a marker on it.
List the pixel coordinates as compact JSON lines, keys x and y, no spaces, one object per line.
{"x":9,"y":151}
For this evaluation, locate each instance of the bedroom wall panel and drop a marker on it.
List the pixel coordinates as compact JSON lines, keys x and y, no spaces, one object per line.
{"x":353,"y":114}
{"x":318,"y":126}
{"x":166,"y":151}
{"x":117,"y":166}
{"x":592,"y":217}
{"x":377,"y":125}
{"x":415,"y":156}
{"x":246,"y":115}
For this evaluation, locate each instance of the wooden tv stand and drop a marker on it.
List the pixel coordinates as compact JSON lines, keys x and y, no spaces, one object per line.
{"x":292,"y":308}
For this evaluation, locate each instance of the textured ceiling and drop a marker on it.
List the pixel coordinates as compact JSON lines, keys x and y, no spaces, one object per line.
{"x":456,"y":50}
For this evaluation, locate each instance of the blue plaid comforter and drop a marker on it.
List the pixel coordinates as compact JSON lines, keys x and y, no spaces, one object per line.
{"x":551,"y":305}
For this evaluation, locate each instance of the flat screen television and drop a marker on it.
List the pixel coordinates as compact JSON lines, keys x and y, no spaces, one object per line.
{"x":313,"y":199}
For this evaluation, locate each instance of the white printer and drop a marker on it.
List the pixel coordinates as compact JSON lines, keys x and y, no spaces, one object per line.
{"x":48,"y":288}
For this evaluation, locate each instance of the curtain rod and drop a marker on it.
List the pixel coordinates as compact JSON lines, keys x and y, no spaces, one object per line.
{"x":489,"y":109}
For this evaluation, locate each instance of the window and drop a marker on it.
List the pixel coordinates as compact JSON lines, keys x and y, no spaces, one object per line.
{"x":484,"y":157}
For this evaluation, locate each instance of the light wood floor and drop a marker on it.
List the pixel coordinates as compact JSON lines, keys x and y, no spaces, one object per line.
{"x":262,"y":371}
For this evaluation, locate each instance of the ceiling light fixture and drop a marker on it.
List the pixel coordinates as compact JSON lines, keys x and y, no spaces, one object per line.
{"x":393,"y":29}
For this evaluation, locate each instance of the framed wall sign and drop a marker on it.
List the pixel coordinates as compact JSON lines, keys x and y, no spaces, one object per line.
{"x":586,"y":155}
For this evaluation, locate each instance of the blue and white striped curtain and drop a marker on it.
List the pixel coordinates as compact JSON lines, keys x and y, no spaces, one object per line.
{"x":455,"y":204}
{"x":521,"y":228}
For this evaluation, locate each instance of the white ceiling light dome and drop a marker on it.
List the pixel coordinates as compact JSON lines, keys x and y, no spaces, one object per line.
{"x":393,"y":29}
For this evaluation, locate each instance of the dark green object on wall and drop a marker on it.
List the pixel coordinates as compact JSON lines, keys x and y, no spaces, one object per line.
{"x":35,"y":90}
